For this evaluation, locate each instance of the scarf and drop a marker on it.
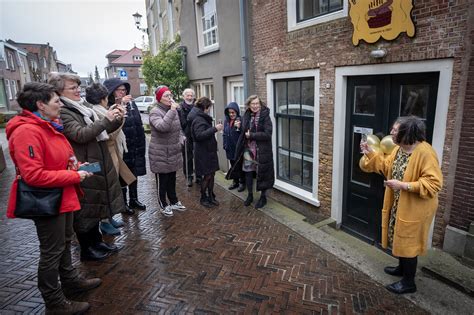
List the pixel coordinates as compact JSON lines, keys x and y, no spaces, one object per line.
{"x":120,"y":140}
{"x":56,"y":123}
{"x":87,"y":113}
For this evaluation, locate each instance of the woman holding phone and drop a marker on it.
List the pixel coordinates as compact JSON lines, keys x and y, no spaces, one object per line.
{"x":88,"y":135}
{"x":165,"y":149}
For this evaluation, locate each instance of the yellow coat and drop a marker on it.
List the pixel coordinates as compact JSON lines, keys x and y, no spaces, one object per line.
{"x":416,"y":208}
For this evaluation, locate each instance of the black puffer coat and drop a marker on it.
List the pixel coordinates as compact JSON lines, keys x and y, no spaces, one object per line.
{"x":205,"y":144}
{"x":133,"y":130}
{"x":102,"y":192}
{"x":262,"y":134}
{"x":136,"y":144}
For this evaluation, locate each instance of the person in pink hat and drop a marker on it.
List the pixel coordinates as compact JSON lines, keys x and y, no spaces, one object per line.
{"x":164,"y":151}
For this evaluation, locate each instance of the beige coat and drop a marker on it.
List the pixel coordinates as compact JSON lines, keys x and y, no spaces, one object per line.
{"x":417,"y":207}
{"x":115,"y":152}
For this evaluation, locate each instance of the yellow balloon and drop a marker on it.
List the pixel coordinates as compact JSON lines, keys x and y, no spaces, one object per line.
{"x":387,"y":145}
{"x":361,"y":162}
{"x":376,"y":149}
{"x":373,"y":140}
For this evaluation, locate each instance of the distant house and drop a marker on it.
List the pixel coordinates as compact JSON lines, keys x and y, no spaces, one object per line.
{"x":12,"y":75}
{"x":127,"y":65}
{"x":42,"y":59}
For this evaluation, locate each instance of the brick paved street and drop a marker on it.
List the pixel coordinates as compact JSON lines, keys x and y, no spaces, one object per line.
{"x":229,"y":259}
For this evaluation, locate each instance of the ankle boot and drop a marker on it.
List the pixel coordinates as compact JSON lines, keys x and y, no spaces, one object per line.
{"x":205,"y":201}
{"x":261,"y":202}
{"x":135,"y":204}
{"x":249,"y":200}
{"x":80,"y":285}
{"x":212,"y":199}
{"x":67,"y":307}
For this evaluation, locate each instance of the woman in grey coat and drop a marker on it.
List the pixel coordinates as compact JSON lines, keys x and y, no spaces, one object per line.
{"x":164,"y":151}
{"x":87,"y":135}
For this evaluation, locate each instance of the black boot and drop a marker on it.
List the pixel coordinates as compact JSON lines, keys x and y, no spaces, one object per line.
{"x":241,"y":187}
{"x":135,"y":204}
{"x":234,"y":185}
{"x":133,"y":194}
{"x":212,"y":198}
{"x":249,"y":200}
{"x":261,"y":202}
{"x":190,"y":182}
{"x":204,"y":201}
{"x":393,"y":271}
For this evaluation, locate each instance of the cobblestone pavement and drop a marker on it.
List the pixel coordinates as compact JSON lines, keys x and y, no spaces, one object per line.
{"x":225,"y":260}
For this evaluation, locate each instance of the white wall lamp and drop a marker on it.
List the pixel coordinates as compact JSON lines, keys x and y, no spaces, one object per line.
{"x":378,"y":53}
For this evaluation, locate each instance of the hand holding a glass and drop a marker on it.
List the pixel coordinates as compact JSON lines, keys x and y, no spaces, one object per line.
{"x":219,"y":125}
{"x":364,"y":146}
{"x":237,"y":123}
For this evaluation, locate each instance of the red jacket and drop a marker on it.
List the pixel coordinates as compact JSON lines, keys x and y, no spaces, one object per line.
{"x":43,"y":156}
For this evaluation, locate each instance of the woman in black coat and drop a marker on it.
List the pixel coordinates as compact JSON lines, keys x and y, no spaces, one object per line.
{"x":134,"y":157}
{"x":254,"y":154}
{"x":205,"y":150}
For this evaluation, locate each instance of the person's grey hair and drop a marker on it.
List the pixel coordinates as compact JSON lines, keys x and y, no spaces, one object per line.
{"x":188,"y":90}
{"x":58,"y":80}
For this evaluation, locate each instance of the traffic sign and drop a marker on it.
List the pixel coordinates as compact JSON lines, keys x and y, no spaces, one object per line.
{"x":123,"y":75}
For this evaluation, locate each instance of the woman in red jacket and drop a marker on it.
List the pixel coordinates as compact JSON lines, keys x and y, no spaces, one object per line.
{"x":44,"y":158}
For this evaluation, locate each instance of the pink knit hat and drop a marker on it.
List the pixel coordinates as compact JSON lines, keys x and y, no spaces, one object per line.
{"x":160,"y":91}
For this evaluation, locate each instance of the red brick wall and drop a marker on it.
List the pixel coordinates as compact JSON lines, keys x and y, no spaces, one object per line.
{"x":440,"y":28}
{"x":462,"y":209}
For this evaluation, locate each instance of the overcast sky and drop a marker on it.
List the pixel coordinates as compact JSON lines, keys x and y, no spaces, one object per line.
{"x":81,"y":31}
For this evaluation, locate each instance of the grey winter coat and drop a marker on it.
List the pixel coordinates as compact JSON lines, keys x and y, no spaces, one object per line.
{"x":164,"y":152}
{"x":102,"y":192}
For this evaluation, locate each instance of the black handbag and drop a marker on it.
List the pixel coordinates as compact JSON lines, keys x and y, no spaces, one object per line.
{"x":35,"y":202}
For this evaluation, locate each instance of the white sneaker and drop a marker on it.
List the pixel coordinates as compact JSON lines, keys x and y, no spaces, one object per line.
{"x":167,"y":211}
{"x":178,"y":206}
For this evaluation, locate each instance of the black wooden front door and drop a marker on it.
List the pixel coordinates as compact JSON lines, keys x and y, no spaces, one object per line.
{"x":373,"y":104}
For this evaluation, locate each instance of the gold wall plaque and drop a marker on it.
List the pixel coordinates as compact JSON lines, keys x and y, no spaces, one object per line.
{"x":373,"y":19}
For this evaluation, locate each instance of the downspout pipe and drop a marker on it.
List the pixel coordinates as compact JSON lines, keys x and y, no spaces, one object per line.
{"x":244,"y":45}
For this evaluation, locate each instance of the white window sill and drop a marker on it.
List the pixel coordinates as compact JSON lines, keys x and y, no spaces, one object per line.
{"x":208,"y":51}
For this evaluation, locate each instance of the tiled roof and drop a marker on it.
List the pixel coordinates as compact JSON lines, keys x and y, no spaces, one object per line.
{"x":128,"y":57}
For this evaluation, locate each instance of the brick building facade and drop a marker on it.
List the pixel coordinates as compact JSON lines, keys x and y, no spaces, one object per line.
{"x":297,"y":54}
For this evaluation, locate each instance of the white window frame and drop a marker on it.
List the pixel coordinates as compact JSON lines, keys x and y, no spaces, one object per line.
{"x":201,"y":89}
{"x":232,"y":82}
{"x":11,"y":61}
{"x":308,"y":196}
{"x":9,"y":91}
{"x":294,"y":25}
{"x":169,"y":8}
{"x":14,"y":88}
{"x":22,"y":64}
{"x":200,"y":30}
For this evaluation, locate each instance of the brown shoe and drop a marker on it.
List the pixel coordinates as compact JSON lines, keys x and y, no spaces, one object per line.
{"x":81,"y":285}
{"x":68,"y":307}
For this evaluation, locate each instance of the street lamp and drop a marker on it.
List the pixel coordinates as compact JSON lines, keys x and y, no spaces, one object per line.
{"x":137,"y":16}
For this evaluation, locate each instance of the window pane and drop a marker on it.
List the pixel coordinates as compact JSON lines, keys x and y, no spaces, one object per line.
{"x":365,"y":99}
{"x":280,"y":88}
{"x":357,"y":175}
{"x":295,"y":135}
{"x":308,"y":137}
{"x":295,"y":168}
{"x":139,"y":99}
{"x":308,"y":172}
{"x":311,"y":8}
{"x":307,"y":101}
{"x":414,"y":100}
{"x":283,"y":164}
{"x":283,"y":140}
{"x":294,"y":98}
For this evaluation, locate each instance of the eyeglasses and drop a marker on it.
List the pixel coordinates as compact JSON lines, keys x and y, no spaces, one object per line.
{"x":73,"y":88}
{"x":168,"y":95}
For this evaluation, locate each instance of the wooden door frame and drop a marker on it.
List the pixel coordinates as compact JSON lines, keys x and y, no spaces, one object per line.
{"x":445,"y":69}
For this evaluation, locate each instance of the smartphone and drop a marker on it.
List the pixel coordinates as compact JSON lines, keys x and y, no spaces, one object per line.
{"x":91,"y":167}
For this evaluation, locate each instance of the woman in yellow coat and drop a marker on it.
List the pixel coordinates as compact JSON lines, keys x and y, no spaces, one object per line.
{"x":411,"y":198}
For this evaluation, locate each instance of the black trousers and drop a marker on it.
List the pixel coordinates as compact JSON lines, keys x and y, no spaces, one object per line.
{"x":167,"y":188}
{"x":188,"y":158}
{"x":55,"y":235}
